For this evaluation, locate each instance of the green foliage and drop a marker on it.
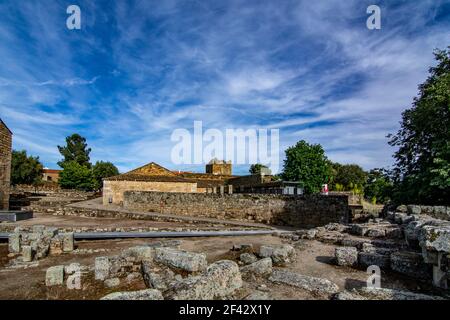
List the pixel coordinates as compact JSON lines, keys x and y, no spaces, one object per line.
{"x":421,"y":173}
{"x":350,"y":176}
{"x":308,"y":164}
{"x":103,"y":170}
{"x":256,"y":168}
{"x":25,"y":169}
{"x":75,"y":150}
{"x":76,"y":176}
{"x":378,"y":186}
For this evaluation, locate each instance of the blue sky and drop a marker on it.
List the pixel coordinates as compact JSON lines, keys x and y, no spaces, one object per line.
{"x":137,"y":70}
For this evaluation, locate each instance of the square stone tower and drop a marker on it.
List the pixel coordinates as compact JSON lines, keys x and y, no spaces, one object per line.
{"x":219,"y":167}
{"x":5,"y":165}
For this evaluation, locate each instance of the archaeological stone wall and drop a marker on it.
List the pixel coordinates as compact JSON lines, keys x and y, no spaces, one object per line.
{"x":5,"y":165}
{"x":113,"y":191}
{"x":297,"y":211}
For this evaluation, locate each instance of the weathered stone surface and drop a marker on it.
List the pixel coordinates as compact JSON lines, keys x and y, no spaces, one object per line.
{"x":367,"y":259}
{"x":305,"y":211}
{"x":140,"y":253}
{"x":312,"y":284}
{"x":14,"y":243}
{"x":113,"y":282}
{"x":402,"y":208}
{"x":261,"y":267}
{"x":435,"y":238}
{"x":370,"y":248}
{"x":54,"y":276}
{"x":280,"y":254}
{"x":27,"y":253}
{"x":375,"y":233}
{"x":56,"y":245}
{"x":413,"y":209}
{"x":382,"y":294}
{"x":156,"y":278}
{"x":346,"y":256}
{"x":350,"y":242}
{"x":189,"y":261}
{"x":220,"y":280}
{"x":248,"y":258}
{"x":410,"y":264}
{"x":102,"y":266}
{"x":147,"y":294}
{"x":67,"y":242}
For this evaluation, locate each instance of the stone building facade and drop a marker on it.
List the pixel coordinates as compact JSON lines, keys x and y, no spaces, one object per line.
{"x":219,"y":167}
{"x":5,"y":165}
{"x":151,"y":177}
{"x":50,"y":175}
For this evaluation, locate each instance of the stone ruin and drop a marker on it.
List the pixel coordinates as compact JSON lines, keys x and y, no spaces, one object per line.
{"x":37,"y":242}
{"x":406,"y":241}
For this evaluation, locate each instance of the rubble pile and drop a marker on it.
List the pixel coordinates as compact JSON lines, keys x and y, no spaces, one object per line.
{"x":406,"y":241}
{"x":32,"y":244}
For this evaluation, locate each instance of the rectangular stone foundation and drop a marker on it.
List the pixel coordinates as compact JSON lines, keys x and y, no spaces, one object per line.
{"x":13,"y":216}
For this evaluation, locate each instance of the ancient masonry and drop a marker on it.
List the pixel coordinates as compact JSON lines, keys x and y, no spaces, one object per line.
{"x":298,"y":211}
{"x":5,"y":165}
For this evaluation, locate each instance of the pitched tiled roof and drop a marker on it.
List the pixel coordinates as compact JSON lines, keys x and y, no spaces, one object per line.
{"x":150,"y":172}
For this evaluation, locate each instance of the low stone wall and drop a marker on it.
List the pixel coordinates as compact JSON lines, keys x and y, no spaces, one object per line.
{"x":297,"y":211}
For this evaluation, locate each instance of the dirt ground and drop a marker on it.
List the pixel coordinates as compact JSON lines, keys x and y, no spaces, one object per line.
{"x":313,"y":258}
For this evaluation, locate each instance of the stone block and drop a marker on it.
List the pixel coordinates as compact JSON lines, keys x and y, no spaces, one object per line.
{"x":102,"y":266}
{"x":280,"y":254}
{"x":147,"y":294}
{"x":248,"y":258}
{"x":54,"y":276}
{"x":189,"y":261}
{"x":140,"y":253}
{"x":346,"y":256}
{"x":67,"y":242}
{"x":220,"y":280}
{"x":27,"y":254}
{"x":410,"y":264}
{"x":260,"y":268}
{"x":413,"y":209}
{"x":14,"y":243}
{"x":367,"y":259}
{"x":56,"y":245}
{"x":312,"y":284}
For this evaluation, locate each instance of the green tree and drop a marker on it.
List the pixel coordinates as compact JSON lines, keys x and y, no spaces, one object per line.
{"x":25,"y":169}
{"x":256,"y":168}
{"x":378,"y":187}
{"x":307,"y":164}
{"x":350,"y":176}
{"x":76,"y":176}
{"x":421,"y":173}
{"x":103,"y":170}
{"x":76,"y":149}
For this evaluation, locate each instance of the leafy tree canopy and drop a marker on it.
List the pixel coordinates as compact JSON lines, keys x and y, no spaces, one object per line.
{"x":378,"y":187}
{"x":76,"y":176}
{"x":308,"y":164}
{"x":103,"y":170}
{"x":422,"y":161}
{"x":349,"y":175}
{"x":25,"y":169}
{"x":76,"y":149}
{"x":256,"y":168}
